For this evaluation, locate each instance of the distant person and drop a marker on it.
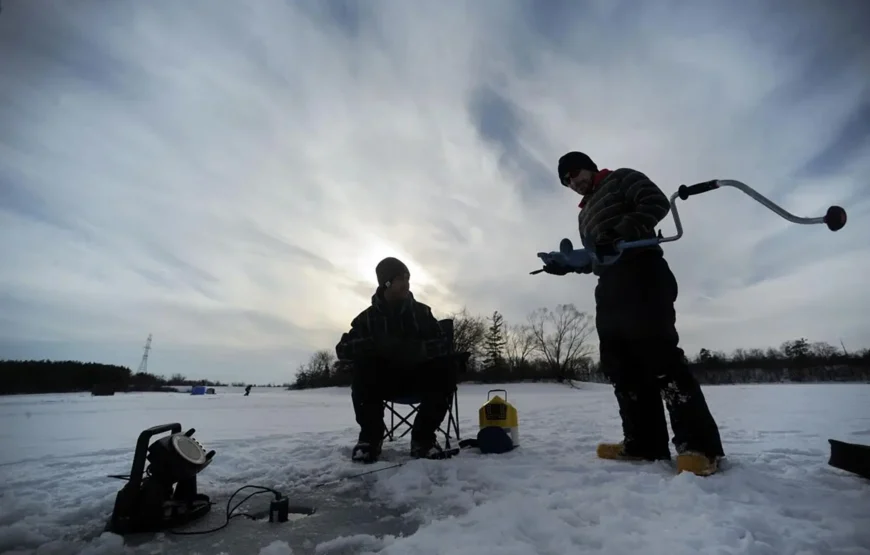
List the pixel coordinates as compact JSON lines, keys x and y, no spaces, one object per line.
{"x":248,"y":391}
{"x":636,"y":320}
{"x":397,"y":348}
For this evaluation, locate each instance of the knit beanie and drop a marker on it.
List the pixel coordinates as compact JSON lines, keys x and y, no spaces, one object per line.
{"x":573,"y":162}
{"x":389,"y":269}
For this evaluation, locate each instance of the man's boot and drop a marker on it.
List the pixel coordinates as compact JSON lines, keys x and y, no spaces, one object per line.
{"x":370,"y":416}
{"x":367,"y":449}
{"x":697,"y":463}
{"x":696,"y":435}
{"x":645,"y":432}
{"x":426,"y":449}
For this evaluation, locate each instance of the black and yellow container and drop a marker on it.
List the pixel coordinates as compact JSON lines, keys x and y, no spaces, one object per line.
{"x":497,"y":412}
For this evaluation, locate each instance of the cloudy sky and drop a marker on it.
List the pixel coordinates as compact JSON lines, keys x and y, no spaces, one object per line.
{"x":226,"y":175}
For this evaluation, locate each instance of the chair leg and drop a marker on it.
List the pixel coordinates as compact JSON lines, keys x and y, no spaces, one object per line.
{"x":406,"y":420}
{"x":452,"y":421}
{"x":456,"y":412}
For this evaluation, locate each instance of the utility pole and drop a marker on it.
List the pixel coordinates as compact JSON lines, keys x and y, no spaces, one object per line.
{"x":143,"y":366}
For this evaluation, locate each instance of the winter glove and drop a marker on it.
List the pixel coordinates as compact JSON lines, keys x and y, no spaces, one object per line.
{"x":436,"y":348}
{"x":607,"y":249}
{"x":405,"y":352}
{"x":557,"y":269}
{"x":386,"y":346}
{"x":410,"y":353}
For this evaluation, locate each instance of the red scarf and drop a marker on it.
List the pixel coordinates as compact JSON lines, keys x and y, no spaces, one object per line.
{"x":596,"y":180}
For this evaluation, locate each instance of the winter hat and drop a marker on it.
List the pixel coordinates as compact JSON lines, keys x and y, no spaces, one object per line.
{"x":389,"y":269}
{"x":572,"y":163}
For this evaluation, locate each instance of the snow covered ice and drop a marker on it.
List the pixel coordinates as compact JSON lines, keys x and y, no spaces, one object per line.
{"x":776,"y":495}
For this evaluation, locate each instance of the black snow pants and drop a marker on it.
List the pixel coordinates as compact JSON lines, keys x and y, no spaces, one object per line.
{"x":640,"y":354}
{"x":430,"y":383}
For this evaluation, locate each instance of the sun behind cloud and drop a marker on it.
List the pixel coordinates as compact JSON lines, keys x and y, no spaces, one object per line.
{"x":229,"y":179}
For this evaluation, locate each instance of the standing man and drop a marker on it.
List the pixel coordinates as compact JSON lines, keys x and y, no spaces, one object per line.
{"x":397,"y":348}
{"x":636,"y":320}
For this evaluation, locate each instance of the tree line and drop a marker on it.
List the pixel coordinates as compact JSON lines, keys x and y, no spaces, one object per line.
{"x":557,"y":345}
{"x":550,"y":345}
{"x":66,"y":376}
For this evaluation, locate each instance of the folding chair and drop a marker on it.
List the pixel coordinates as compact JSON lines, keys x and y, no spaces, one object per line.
{"x":452,"y":431}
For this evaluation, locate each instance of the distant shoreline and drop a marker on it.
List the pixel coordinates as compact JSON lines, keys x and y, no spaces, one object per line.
{"x":185,"y":390}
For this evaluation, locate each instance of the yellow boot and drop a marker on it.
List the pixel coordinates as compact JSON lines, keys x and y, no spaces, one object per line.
{"x":697,"y":463}
{"x":615,"y":452}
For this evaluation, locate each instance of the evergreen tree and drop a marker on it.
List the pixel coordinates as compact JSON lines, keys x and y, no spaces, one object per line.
{"x":494,"y":342}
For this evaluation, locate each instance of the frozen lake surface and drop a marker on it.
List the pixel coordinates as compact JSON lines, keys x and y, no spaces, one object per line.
{"x":776,"y":496}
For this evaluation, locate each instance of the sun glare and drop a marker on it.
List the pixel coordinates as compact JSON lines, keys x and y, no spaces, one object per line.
{"x":376,"y":249}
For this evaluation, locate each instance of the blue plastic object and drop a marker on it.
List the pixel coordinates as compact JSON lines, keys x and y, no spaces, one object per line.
{"x":494,"y":440}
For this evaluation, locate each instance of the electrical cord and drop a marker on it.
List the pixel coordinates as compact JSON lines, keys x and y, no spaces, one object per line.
{"x":230,"y":511}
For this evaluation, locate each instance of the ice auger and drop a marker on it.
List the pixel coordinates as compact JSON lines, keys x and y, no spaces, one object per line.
{"x":579,"y":259}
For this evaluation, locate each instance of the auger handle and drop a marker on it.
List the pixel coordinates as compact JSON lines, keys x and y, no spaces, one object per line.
{"x":686,"y":191}
{"x":835,"y":217}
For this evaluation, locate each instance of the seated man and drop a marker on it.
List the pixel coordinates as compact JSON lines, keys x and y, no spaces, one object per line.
{"x":397,"y":348}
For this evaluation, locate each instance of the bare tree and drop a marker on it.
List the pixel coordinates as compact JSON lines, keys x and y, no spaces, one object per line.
{"x":823,"y":350}
{"x":468,"y":334}
{"x":519,"y":345}
{"x":321,"y":362}
{"x":561,"y":337}
{"x":317,"y":371}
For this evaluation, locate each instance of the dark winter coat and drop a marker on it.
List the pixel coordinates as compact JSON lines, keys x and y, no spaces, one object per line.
{"x":404,"y":333}
{"x":625,"y":205}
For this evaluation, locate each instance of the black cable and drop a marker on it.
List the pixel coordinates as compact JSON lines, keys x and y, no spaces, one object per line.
{"x":262,"y":489}
{"x":230,"y":515}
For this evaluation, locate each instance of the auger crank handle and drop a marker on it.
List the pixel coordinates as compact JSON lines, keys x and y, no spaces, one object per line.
{"x":686,"y":191}
{"x":835,"y":218}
